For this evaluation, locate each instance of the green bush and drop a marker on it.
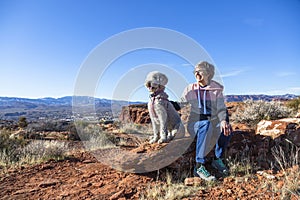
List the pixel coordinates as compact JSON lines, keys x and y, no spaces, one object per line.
{"x":294,"y":104}
{"x":22,"y":123}
{"x":255,"y":111}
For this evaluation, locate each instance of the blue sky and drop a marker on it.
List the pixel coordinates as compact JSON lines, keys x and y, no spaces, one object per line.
{"x":43,"y":44}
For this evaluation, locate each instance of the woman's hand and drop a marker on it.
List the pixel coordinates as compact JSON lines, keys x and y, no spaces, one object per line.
{"x":226,"y":128}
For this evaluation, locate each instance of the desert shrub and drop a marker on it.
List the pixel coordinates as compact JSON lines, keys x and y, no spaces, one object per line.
{"x":9,"y":147}
{"x":294,"y":104}
{"x":50,"y":125}
{"x":17,"y":151}
{"x":86,"y":130}
{"x":40,"y":150}
{"x":22,"y":123}
{"x":94,"y":137}
{"x":73,"y":132}
{"x":255,"y":111}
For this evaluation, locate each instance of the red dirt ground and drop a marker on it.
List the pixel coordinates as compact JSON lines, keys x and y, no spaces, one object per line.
{"x":82,"y":177}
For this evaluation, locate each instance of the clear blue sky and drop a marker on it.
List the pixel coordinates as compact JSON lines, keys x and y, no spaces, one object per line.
{"x":255,"y":44}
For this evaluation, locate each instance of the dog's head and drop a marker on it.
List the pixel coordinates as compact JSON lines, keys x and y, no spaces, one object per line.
{"x":156,"y":81}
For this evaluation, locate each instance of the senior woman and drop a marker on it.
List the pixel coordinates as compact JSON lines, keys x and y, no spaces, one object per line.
{"x":208,"y":119}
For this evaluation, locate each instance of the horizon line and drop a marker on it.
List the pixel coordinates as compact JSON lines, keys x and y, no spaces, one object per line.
{"x":20,"y":97}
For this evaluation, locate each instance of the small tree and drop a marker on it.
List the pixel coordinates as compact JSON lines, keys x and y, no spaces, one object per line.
{"x":22,"y":123}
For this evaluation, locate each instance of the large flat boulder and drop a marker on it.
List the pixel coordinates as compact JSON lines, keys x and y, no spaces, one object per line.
{"x":290,"y":127}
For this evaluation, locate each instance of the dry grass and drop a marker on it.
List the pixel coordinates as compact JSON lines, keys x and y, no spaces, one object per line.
{"x":132,"y":128}
{"x":94,"y":137}
{"x":289,"y":165}
{"x":242,"y":166}
{"x":39,"y":151}
{"x":170,"y":190}
{"x":33,"y":153}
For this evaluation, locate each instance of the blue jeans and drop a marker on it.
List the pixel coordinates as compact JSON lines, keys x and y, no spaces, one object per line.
{"x":208,"y":134}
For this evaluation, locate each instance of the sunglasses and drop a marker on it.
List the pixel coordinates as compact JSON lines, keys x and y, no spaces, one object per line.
{"x":199,"y":71}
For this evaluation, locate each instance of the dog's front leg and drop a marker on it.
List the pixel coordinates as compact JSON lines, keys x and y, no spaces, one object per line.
{"x":162,"y":117}
{"x":155,"y":127}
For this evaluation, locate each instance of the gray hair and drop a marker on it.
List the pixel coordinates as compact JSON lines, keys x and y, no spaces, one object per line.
{"x":207,"y":67}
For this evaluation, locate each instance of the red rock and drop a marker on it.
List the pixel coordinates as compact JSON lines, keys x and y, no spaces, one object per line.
{"x":138,"y":114}
{"x":280,"y":184}
{"x":193,"y":181}
{"x":117,"y":195}
{"x":48,"y":183}
{"x":275,"y":128}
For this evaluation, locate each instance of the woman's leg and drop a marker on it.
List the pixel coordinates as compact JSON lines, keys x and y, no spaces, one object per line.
{"x":221,"y":145}
{"x":201,"y":128}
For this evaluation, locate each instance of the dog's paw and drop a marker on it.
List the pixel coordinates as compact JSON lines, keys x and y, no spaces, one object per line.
{"x":153,"y":140}
{"x":170,"y":137}
{"x":162,"y":140}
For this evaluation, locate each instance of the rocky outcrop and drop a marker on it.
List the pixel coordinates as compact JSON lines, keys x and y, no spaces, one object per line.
{"x":137,"y":113}
{"x":289,"y":127}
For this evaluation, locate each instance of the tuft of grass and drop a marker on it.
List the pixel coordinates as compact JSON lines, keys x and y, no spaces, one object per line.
{"x":38,"y":151}
{"x":100,"y":141}
{"x":170,"y":190}
{"x":94,"y":137}
{"x":240,"y":166}
{"x":288,"y":162}
{"x":132,"y":128}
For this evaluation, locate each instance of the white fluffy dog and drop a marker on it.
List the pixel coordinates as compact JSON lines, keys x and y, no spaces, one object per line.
{"x":165,"y":119}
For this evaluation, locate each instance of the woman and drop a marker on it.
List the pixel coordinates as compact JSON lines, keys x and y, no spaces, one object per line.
{"x":208,"y":119}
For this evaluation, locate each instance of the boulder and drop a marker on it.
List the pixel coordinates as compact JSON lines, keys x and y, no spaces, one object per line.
{"x":193,"y":181}
{"x":276,"y":128}
{"x":137,"y":113}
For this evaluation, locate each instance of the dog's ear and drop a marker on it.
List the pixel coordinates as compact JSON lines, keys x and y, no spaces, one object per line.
{"x":162,"y":79}
{"x":161,"y":87}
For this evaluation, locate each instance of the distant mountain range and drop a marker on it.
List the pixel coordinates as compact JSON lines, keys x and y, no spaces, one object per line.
{"x":11,"y":108}
{"x":14,"y":102}
{"x":237,"y":98}
{"x":63,"y":101}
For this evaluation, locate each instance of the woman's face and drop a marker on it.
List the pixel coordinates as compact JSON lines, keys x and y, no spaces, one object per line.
{"x":201,"y":76}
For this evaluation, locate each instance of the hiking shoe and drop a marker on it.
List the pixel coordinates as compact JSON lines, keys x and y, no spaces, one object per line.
{"x":204,"y":174}
{"x":220,"y":166}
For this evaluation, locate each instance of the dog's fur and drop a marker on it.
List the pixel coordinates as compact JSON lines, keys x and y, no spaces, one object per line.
{"x":165,"y":119}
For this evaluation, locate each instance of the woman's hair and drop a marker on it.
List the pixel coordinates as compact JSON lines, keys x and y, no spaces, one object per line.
{"x":207,"y":67}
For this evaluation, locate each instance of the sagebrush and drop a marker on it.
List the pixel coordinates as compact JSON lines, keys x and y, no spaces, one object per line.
{"x":17,"y":151}
{"x":254,"y":111}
